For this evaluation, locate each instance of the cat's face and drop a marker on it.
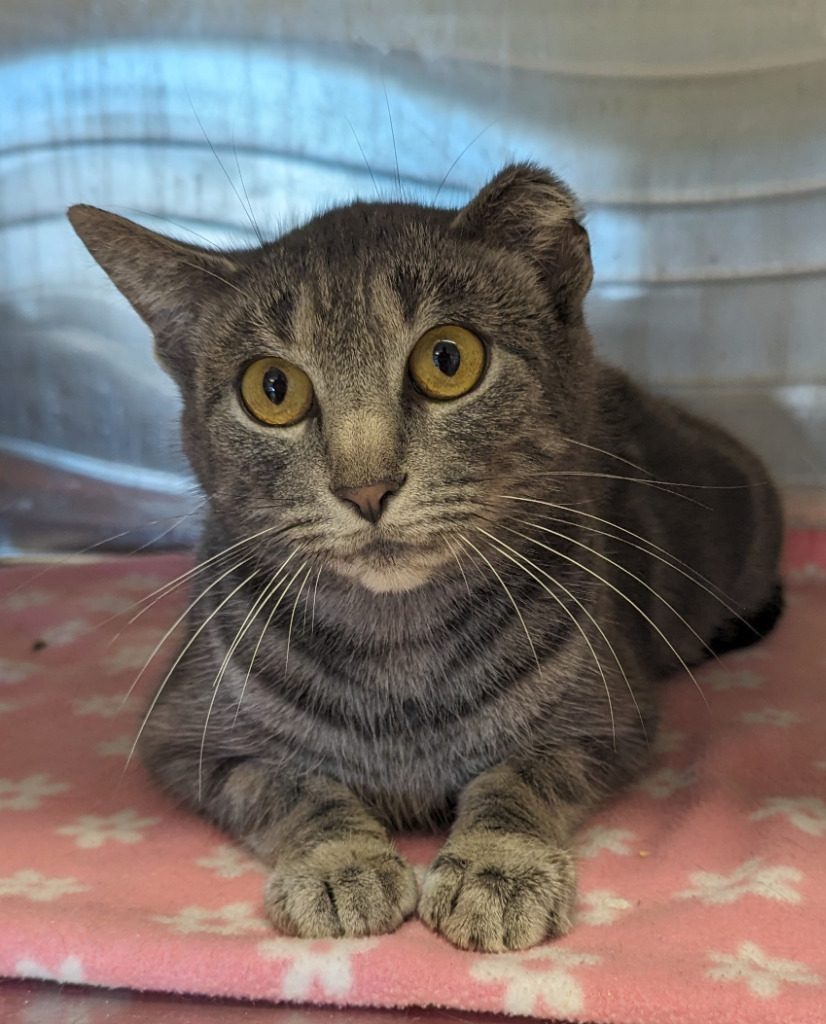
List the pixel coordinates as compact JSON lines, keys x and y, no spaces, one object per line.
{"x":366,"y":388}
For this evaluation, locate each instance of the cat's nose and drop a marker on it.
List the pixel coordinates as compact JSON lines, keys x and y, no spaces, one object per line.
{"x":369,"y":500}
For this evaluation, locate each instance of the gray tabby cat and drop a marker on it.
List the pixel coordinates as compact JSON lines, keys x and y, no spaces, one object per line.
{"x":449,"y":554}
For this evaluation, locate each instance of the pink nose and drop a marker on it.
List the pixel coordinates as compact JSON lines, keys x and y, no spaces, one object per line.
{"x":369,"y":500}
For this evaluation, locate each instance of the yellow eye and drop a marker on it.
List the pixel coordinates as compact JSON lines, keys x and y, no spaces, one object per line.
{"x":276,"y":392}
{"x":447,"y":362}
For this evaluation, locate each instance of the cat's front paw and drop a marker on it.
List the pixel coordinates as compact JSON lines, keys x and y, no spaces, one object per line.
{"x":341,"y":888}
{"x":493,"y":892}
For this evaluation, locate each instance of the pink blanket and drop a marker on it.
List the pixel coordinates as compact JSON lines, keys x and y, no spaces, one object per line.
{"x":703,"y":890}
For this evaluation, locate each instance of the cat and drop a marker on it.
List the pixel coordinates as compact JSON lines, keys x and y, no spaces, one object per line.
{"x":448,"y":559}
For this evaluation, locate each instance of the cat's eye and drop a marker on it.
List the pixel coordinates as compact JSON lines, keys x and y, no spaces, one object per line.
{"x":447,"y":362}
{"x":276,"y":392}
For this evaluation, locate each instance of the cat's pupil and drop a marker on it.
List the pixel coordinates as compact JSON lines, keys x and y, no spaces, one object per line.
{"x":275,"y":385}
{"x":447,"y":357}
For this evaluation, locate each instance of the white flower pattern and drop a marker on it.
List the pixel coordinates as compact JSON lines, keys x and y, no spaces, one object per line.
{"x":92,"y":831}
{"x":27,"y":794}
{"x":128,"y":658}
{"x":763,"y":975}
{"x":778,"y":717}
{"x":105,"y":705}
{"x":311,"y":962}
{"x":752,"y":877}
{"x":14,"y":671}
{"x":65,"y":633}
{"x":69,"y":970}
{"x":733,"y":679}
{"x":598,"y":838}
{"x":230,"y":862}
{"x":34,"y":886}
{"x":231,"y":919}
{"x":599,"y":906}
{"x":120,"y":746}
{"x":665,"y":782}
{"x":27,"y":598}
{"x":808,"y":813}
{"x":538,"y":982}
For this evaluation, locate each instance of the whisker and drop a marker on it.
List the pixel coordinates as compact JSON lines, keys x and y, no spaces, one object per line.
{"x":196,"y":570}
{"x":510,"y":598}
{"x":611,"y":455}
{"x":393,"y":137}
{"x":504,"y":549}
{"x":315,"y":595}
{"x":186,"y":647}
{"x":622,"y":568}
{"x":449,"y":171}
{"x":602,"y":633}
{"x":227,"y":175}
{"x":275,"y":607}
{"x":211,"y":273}
{"x":651,"y":554}
{"x":621,"y":594}
{"x":364,"y":157}
{"x":251,"y":213}
{"x":658,"y":485}
{"x":252,"y":614}
{"x":292,"y":616}
{"x":98,"y":544}
{"x":691,"y":574}
{"x":459,"y":563}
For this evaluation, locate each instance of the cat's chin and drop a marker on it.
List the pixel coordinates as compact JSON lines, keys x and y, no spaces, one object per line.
{"x":383,"y":579}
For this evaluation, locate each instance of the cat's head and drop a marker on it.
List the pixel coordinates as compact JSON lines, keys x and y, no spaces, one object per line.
{"x":366,"y":387}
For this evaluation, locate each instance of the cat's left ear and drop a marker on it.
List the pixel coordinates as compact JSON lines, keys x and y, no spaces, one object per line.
{"x":167,"y":282}
{"x":527,"y":209}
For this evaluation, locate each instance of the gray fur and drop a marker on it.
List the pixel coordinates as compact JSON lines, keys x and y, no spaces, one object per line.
{"x":458,"y":660}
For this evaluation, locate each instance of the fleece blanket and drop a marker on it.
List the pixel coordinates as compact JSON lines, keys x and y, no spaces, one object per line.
{"x":703,"y":889}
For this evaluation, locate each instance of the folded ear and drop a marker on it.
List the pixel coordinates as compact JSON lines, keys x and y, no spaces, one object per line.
{"x":168,"y":282}
{"x":527,"y":209}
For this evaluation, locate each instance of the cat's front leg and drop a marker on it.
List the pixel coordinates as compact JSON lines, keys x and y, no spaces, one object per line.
{"x":335,"y":872}
{"x":505,"y":878}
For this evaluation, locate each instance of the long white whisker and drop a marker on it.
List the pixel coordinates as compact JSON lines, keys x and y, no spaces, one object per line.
{"x":504,"y":549}
{"x":175,"y":625}
{"x":459,"y":563}
{"x":252,"y":614}
{"x":315,"y":595}
{"x":651,"y":554}
{"x":618,"y":565}
{"x":275,"y":607}
{"x":163,"y":590}
{"x":292,"y":616}
{"x":510,"y":598}
{"x":691,"y":574}
{"x":658,"y":485}
{"x":188,"y":644}
{"x":74,"y":555}
{"x":611,"y":455}
{"x":599,"y":629}
{"x":620,"y":593}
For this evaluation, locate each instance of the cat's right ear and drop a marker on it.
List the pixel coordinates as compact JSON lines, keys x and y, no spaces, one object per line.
{"x":167,"y":282}
{"x":527,"y":209}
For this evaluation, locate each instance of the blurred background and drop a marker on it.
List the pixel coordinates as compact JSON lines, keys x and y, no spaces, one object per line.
{"x":695,"y":135}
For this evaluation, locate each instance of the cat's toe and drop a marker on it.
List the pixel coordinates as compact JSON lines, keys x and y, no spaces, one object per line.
{"x":493,"y":892}
{"x":341,"y":888}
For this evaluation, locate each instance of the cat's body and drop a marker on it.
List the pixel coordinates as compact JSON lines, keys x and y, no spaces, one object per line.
{"x":423,"y":608}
